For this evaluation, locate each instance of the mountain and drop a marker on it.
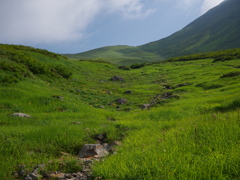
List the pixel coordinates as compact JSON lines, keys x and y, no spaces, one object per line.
{"x":121,"y":54}
{"x":215,"y":30}
{"x":218,"y":29}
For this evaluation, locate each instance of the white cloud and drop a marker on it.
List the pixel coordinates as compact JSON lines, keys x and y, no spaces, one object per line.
{"x":59,"y":21}
{"x":182,"y":4}
{"x":204,"y":5}
{"x":129,"y":8}
{"x":45,"y":21}
{"x":208,"y":4}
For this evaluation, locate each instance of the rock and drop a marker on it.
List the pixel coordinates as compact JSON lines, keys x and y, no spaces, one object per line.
{"x":183,"y":84}
{"x":116,"y":143}
{"x":93,"y":150}
{"x":20,"y":115}
{"x":34,"y":176}
{"x":64,"y":154}
{"x":113,"y":146}
{"x":16,"y":175}
{"x":124,"y":67}
{"x":58,"y":97}
{"x":168,"y":87}
{"x":86,"y":170}
{"x":109,"y":92}
{"x":68,"y":176}
{"x":121,"y":101}
{"x":59,"y":175}
{"x":76,"y":122}
{"x":102,"y":107}
{"x":128,"y":92}
{"x":128,"y":109}
{"x":45,"y":175}
{"x":169,"y":95}
{"x":117,"y":78}
{"x":100,"y":138}
{"x":27,"y":178}
{"x":107,"y":147}
{"x":166,"y":95}
{"x":145,"y":106}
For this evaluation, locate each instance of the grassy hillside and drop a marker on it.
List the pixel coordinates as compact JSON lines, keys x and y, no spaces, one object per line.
{"x":121,"y":55}
{"x":191,"y":130}
{"x":215,"y":30}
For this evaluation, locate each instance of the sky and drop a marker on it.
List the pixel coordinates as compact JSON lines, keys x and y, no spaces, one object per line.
{"x":74,"y":26}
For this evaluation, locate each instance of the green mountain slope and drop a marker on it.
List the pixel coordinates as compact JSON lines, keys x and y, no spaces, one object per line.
{"x":190,"y":131}
{"x":215,"y":30}
{"x":126,"y":55}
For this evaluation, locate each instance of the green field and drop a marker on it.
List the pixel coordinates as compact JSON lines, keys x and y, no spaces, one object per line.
{"x":191,"y":130}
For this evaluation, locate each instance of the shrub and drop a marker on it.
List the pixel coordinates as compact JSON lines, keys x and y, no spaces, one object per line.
{"x":223,"y":58}
{"x":124,"y":67}
{"x":14,"y":67}
{"x":228,"y":107}
{"x":231,"y":74}
{"x":209,"y":85}
{"x":137,"y":65}
{"x":63,"y":71}
{"x":96,"y":61}
{"x":9,"y":79}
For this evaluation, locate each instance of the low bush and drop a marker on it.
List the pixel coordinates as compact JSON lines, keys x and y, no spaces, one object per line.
{"x":63,"y":71}
{"x":9,"y":79}
{"x":209,"y":85}
{"x":14,"y":67}
{"x":124,"y":67}
{"x":231,"y":74}
{"x":137,"y":65}
{"x":234,"y":105}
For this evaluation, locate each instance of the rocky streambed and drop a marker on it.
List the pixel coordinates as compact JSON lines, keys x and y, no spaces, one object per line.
{"x":88,"y":154}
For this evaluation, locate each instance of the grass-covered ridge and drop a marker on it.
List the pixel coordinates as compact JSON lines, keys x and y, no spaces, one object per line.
{"x":191,"y":130}
{"x":121,"y":55}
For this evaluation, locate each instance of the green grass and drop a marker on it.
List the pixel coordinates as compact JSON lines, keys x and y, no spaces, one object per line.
{"x":121,"y":55}
{"x":193,"y":133}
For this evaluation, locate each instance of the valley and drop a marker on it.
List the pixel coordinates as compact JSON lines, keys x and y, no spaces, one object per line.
{"x":188,"y":129}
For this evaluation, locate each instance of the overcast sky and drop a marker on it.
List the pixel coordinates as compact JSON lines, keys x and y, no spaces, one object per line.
{"x":73,"y":26}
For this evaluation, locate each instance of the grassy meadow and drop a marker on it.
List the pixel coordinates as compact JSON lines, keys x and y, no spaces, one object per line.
{"x":191,"y":130}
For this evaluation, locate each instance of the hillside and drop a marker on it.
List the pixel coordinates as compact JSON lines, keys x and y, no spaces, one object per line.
{"x":217,"y":29}
{"x":175,"y":119}
{"x":121,"y":55}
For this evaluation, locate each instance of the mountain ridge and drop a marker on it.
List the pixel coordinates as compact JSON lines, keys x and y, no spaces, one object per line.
{"x":217,"y":29}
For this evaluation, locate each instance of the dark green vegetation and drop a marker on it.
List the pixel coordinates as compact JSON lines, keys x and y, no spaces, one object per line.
{"x":218,"y":29}
{"x":191,"y":130}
